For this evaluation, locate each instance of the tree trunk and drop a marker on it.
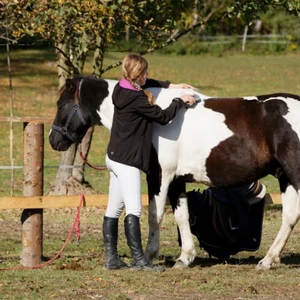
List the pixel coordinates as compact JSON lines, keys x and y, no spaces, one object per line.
{"x":70,"y":180}
{"x":62,"y":184}
{"x":78,"y":172}
{"x":195,"y":13}
{"x":62,"y":67}
{"x":127,"y":35}
{"x":98,"y":57}
{"x":244,"y":38}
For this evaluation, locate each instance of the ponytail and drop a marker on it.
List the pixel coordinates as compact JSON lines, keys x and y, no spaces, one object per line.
{"x":133,"y":67}
{"x":150,"y":96}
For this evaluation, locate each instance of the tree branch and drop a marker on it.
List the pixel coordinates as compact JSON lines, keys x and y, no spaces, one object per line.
{"x":69,"y":62}
{"x":173,"y":38}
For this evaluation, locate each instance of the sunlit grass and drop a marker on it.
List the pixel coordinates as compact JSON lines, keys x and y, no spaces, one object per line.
{"x":79,"y":272}
{"x":35,"y":89}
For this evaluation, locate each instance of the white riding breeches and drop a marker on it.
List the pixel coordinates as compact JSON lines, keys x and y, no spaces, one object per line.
{"x":124,"y":190}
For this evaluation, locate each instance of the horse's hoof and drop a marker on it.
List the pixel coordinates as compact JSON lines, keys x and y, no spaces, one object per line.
{"x":262,"y":267}
{"x":180,"y":265}
{"x":150,"y":257}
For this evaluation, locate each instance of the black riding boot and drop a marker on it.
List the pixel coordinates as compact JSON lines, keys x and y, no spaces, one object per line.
{"x":110,"y":238}
{"x":133,"y":235}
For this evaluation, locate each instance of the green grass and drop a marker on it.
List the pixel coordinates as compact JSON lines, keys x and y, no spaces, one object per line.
{"x":34,"y":80}
{"x":78,"y":272}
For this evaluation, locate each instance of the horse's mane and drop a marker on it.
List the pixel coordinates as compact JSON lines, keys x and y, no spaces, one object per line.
{"x":89,"y":91}
{"x":275,"y":95}
{"x":61,"y":91}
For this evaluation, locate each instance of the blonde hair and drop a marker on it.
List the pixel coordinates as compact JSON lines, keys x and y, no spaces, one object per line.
{"x":133,"y":66}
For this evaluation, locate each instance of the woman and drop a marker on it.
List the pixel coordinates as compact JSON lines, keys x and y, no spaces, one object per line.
{"x":128,"y":152}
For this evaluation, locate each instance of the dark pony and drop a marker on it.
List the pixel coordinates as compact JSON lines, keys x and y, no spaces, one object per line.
{"x":81,"y":114}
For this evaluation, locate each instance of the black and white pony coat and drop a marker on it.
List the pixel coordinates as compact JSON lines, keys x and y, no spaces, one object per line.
{"x":225,"y":143}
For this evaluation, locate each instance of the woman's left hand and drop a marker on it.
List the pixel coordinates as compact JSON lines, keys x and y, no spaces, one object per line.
{"x":181,"y":85}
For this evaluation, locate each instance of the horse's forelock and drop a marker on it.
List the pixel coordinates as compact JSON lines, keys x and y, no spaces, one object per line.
{"x":75,"y":82}
{"x":61,"y":90}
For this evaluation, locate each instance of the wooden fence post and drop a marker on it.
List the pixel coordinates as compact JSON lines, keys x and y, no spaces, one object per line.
{"x":33,"y":170}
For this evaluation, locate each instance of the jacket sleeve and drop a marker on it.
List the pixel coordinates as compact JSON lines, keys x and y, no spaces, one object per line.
{"x":156,"y":113}
{"x":155,"y":83}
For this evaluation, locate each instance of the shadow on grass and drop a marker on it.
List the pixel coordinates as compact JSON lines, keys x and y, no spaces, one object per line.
{"x":292,"y":260}
{"x":29,"y":63}
{"x":32,"y":56}
{"x":80,"y":262}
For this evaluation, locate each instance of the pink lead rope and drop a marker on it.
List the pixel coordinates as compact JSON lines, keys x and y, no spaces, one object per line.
{"x":87,"y":163}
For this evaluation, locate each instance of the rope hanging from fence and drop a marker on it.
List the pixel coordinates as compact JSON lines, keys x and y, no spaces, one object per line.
{"x":90,"y":165}
{"x":75,"y":225}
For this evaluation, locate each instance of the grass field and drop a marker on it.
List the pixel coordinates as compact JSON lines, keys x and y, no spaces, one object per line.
{"x":34,"y":81}
{"x":78,"y":272}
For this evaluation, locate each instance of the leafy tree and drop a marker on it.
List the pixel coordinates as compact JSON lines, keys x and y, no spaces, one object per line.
{"x":76,"y":27}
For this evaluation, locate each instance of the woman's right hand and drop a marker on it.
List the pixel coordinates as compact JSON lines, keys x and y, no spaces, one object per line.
{"x":188,"y":99}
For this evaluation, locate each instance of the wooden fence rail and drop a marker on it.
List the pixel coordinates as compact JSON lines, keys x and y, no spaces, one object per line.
{"x":34,"y":202}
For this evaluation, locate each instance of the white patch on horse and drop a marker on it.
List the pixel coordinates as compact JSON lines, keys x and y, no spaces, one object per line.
{"x":178,"y":137}
{"x":107,"y":109}
{"x":292,"y":116}
{"x":250,"y":98}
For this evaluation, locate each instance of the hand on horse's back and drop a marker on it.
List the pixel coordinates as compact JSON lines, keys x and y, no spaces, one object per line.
{"x":188,"y":99}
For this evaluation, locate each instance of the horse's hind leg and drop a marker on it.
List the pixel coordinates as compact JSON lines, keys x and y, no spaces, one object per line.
{"x":290,"y":216}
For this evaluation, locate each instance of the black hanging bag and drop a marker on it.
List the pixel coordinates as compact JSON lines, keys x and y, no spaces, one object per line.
{"x":227,"y":221}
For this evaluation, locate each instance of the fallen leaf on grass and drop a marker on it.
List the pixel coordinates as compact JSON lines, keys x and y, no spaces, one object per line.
{"x":71,"y":266}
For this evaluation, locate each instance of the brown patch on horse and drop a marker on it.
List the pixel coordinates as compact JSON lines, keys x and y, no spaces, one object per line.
{"x":248,"y":143}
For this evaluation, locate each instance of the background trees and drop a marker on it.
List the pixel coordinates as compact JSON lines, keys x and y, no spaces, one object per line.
{"x":77,"y":29}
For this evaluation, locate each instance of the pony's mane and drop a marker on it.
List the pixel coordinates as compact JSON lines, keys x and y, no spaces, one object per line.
{"x":89,"y":91}
{"x":275,"y":95}
{"x":75,"y":82}
{"x":61,"y":91}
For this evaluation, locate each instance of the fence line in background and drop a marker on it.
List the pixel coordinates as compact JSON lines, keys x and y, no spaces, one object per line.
{"x":47,"y":167}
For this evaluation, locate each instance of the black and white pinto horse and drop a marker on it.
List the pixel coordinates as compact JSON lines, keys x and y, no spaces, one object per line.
{"x":222,"y":142}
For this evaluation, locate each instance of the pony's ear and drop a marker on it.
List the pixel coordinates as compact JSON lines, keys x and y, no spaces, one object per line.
{"x":70,"y":86}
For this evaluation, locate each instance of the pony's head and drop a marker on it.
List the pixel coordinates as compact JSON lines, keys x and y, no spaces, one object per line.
{"x":77,"y":110}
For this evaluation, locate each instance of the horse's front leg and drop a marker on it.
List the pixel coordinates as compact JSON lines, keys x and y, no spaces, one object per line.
{"x":188,"y":251}
{"x":157,"y":202}
{"x":290,"y":216}
{"x":178,"y":199}
{"x":155,"y":217}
